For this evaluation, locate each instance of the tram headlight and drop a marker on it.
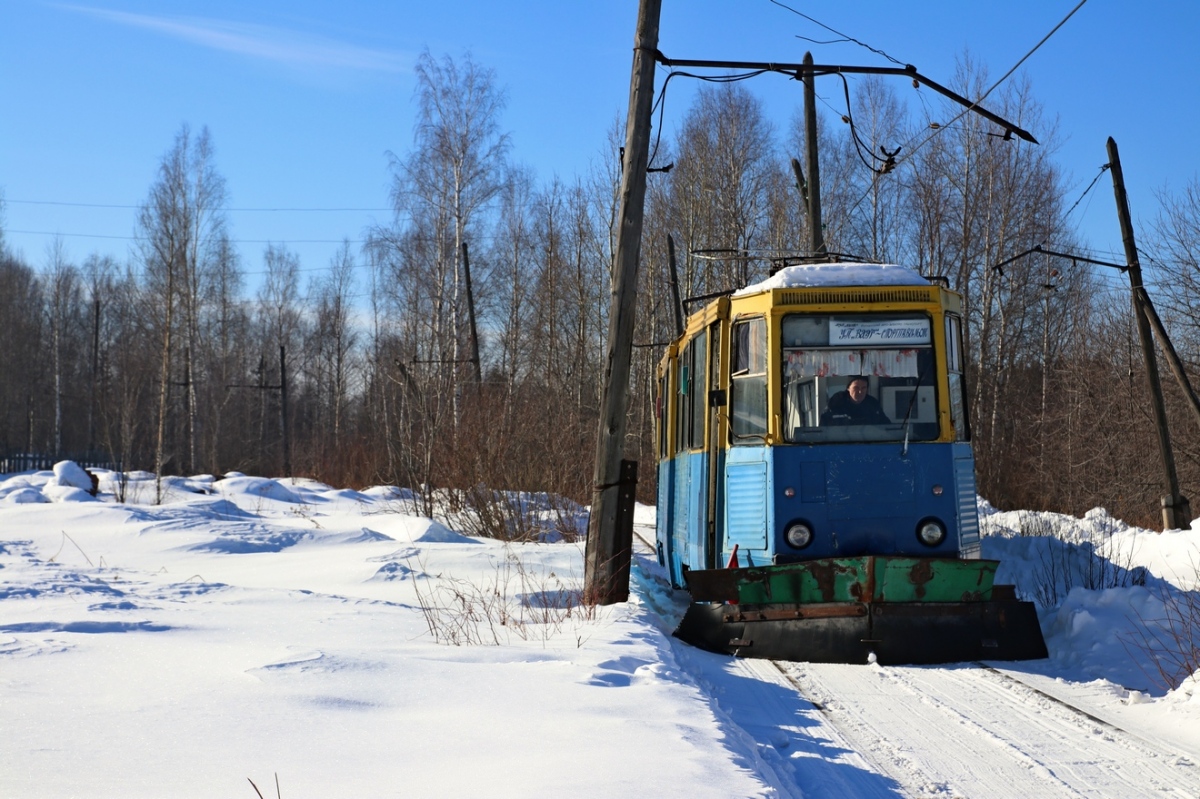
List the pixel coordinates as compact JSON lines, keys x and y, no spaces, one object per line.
{"x":798,"y":535}
{"x":931,"y":532}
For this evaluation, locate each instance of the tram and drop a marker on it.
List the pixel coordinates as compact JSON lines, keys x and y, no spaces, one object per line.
{"x":816,"y":483}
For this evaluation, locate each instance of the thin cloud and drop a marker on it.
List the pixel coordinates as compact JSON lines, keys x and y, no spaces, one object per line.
{"x":259,"y":41}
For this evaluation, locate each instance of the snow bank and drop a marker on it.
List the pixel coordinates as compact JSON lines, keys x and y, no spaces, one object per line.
{"x":1115,"y":601}
{"x":67,"y":482}
{"x":71,"y":475}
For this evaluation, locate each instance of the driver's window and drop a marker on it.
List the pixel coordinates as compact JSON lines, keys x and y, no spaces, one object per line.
{"x":862,"y":377}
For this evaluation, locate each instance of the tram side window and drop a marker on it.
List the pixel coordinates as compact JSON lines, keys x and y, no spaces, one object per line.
{"x":699,"y":396}
{"x":958,"y":384}
{"x":690,"y":401}
{"x":748,"y":389}
{"x":660,"y":412}
{"x":682,"y":392}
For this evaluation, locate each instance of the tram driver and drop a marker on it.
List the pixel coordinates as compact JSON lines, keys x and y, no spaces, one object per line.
{"x":854,"y":406}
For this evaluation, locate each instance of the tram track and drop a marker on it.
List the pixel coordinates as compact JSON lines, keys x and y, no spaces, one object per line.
{"x":1092,"y":717}
{"x":974,"y":730}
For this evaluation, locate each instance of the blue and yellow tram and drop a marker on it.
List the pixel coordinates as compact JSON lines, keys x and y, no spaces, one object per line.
{"x":816,"y":488}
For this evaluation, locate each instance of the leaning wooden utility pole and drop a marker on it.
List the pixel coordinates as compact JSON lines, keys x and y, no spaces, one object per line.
{"x":606,"y":563}
{"x":816,"y":236}
{"x":1176,"y":511}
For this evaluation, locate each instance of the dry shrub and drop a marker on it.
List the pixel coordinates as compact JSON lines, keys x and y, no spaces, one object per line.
{"x":522,"y":440}
{"x":515,"y":469}
{"x":1074,"y":554}
{"x":353,"y":461}
{"x":1091,"y":560}
{"x":518,"y":516}
{"x":1170,"y":642}
{"x":514,"y":601}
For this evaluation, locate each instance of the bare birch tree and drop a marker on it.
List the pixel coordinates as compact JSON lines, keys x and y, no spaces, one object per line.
{"x":63,"y":306}
{"x":180,"y":224}
{"x":720,"y":187}
{"x":333,"y":340}
{"x":453,"y":171}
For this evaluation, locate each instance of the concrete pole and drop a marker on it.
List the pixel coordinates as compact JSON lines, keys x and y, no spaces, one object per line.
{"x":602,"y":570}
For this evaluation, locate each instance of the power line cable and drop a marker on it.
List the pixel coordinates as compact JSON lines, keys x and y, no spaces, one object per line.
{"x":1003,"y":78}
{"x":889,"y":163}
{"x":889,"y":160}
{"x":845,"y":38}
{"x":1103,"y":168}
{"x":661,"y":102}
{"x":139,"y":238}
{"x":231,"y":209}
{"x":284,"y":241}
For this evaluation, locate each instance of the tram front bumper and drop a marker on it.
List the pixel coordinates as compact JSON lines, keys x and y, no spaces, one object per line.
{"x":851,"y":632}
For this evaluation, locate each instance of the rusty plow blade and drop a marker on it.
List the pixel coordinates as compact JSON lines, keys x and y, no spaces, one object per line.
{"x":776,"y":612}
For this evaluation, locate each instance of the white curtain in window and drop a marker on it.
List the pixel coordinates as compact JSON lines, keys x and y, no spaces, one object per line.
{"x":823,"y":363}
{"x":842,"y":363}
{"x":890,"y":363}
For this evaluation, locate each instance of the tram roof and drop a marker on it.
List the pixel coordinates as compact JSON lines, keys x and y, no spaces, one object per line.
{"x":836,"y":274}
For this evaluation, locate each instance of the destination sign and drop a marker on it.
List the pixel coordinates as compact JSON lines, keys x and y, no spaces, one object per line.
{"x":878,"y":332}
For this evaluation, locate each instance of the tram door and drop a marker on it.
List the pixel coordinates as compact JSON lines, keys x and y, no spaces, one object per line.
{"x":666,"y":468}
{"x":715,"y":399}
{"x":746,"y":491}
{"x":690,"y":521}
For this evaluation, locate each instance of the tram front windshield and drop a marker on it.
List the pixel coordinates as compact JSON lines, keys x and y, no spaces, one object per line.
{"x":858,"y":377}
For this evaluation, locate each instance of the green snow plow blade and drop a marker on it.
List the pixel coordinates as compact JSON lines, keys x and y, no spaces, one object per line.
{"x":841,"y":610}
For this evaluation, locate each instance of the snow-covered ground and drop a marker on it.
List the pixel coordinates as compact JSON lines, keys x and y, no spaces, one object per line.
{"x":253,"y":629}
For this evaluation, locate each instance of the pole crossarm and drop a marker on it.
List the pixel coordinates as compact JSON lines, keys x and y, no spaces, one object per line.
{"x":801,"y":71}
{"x":1072,"y":256}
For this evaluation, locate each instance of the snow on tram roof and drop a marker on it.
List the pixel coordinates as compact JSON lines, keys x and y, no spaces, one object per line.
{"x":816,"y":275}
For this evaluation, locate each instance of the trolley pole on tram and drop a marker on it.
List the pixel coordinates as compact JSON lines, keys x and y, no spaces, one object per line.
{"x":606,"y":562}
{"x":1176,"y":511}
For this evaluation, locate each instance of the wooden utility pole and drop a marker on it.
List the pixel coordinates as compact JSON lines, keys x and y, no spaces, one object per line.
{"x":602,"y":571}
{"x":95,"y":376}
{"x":1173,"y":359}
{"x":676,"y":304}
{"x":282,"y":388}
{"x":471,"y":313}
{"x":816,"y":236}
{"x":1176,"y":511}
{"x":283,"y":413}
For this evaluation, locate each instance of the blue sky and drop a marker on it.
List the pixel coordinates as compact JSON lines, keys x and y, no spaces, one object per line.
{"x":305,"y":98}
